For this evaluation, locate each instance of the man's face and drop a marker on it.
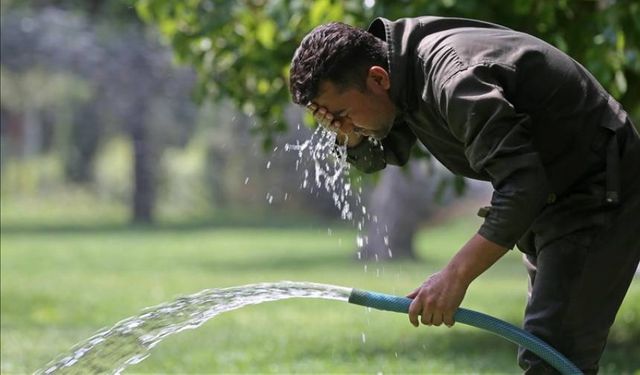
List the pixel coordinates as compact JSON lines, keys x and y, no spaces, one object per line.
{"x":371,"y":112}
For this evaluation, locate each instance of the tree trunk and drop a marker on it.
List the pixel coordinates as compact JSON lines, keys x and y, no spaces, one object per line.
{"x":402,"y":199}
{"x":144,"y":168}
{"x":84,"y":140}
{"x":216,"y":164}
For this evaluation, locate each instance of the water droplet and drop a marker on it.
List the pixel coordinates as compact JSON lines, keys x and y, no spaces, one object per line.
{"x":364,"y":338}
{"x":246,"y":180}
{"x":268,"y":164}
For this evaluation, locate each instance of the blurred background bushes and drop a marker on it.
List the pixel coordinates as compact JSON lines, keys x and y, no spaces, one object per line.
{"x":167,"y":107}
{"x":93,"y":102}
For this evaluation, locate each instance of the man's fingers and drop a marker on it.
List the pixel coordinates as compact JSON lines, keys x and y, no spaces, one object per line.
{"x":324,"y":117}
{"x":327,"y":120}
{"x":325,"y":114}
{"x":448,"y":319}
{"x":437,"y":319}
{"x":426,"y":318}
{"x":413,"y":294}
{"x":414,"y":312}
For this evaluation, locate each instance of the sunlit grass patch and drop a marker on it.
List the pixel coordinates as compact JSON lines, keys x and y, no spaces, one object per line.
{"x":61,"y":285}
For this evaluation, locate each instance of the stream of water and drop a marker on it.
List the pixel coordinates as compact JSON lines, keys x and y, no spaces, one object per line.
{"x":130,"y":341}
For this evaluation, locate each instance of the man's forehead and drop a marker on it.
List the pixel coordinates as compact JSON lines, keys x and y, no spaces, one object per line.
{"x":326,"y":88}
{"x":328,"y":95}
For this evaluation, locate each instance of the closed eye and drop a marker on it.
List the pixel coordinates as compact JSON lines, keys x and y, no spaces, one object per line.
{"x":340,"y":113}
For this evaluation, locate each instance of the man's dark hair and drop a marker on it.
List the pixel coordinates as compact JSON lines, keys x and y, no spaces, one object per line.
{"x":336,"y":52}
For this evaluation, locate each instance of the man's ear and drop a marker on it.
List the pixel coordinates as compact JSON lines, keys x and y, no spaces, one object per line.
{"x":378,"y":79}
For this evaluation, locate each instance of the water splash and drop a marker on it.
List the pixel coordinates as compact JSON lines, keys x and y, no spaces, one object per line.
{"x":330,"y":168}
{"x":331,"y":172}
{"x":130,"y":341}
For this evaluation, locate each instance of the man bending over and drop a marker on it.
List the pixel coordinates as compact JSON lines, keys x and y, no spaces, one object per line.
{"x":498,"y":105}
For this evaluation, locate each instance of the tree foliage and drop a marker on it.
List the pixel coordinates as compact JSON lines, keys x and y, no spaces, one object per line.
{"x":242,"y":49}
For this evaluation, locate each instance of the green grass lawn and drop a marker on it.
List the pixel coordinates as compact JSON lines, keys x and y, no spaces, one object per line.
{"x":63,"y":282}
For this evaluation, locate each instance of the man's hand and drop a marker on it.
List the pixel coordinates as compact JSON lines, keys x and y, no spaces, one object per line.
{"x":343,"y":126}
{"x":437,"y":299}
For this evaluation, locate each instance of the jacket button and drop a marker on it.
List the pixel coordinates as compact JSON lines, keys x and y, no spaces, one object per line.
{"x":484,"y":211}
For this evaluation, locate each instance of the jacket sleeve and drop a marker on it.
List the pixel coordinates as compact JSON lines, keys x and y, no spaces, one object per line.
{"x":395,"y":148}
{"x":498,"y":142}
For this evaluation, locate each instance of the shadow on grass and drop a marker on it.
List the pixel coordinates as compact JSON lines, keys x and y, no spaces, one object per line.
{"x":187,"y":225}
{"x":480,"y":350}
{"x":258,"y":262}
{"x":346,"y":261}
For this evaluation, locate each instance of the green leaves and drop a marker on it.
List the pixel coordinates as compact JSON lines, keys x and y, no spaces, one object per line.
{"x":242,"y":49}
{"x":323,"y":11}
{"x":266,"y":33}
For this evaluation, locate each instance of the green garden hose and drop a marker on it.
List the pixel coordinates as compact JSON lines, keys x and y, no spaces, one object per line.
{"x":501,"y":328}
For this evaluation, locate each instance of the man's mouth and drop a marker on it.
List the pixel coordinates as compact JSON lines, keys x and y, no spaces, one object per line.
{"x":363,"y":132}
{"x":378,"y":135}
